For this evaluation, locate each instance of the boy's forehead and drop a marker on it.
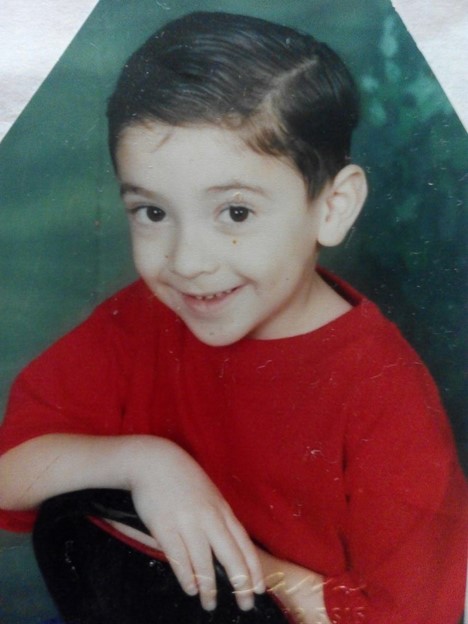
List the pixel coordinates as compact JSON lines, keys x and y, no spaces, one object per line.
{"x":145,"y":135}
{"x":196,"y":143}
{"x":152,"y":135}
{"x":207,"y":158}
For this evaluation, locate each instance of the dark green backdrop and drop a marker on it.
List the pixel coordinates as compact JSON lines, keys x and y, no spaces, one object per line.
{"x":64,"y":244}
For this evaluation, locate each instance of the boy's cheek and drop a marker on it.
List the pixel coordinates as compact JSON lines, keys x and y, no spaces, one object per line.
{"x":149,"y":274}
{"x":148,"y":257}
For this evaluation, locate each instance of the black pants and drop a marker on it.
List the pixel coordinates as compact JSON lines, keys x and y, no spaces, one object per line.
{"x":94,"y":578}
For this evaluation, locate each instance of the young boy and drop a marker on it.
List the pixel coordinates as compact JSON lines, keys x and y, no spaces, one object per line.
{"x":257,"y":408}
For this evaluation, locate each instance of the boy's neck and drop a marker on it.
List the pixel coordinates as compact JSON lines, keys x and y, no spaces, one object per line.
{"x":327,"y":304}
{"x":321,"y":304}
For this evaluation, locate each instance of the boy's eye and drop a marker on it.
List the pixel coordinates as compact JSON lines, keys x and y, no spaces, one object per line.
{"x":238,"y":213}
{"x":154,"y":213}
{"x":150,"y":213}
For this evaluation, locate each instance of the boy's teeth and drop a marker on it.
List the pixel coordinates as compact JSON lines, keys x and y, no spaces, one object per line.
{"x":216,"y":295}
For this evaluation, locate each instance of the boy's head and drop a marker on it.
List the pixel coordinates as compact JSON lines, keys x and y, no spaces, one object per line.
{"x":231,"y":137}
{"x":285,"y":93}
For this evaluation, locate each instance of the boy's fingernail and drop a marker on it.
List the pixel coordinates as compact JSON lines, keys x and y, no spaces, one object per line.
{"x":209,"y":604}
{"x":191,"y":590}
{"x":239,"y":581}
{"x":260,"y":588}
{"x":246,"y":603}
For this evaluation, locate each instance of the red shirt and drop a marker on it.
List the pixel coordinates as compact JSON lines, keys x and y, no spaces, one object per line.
{"x":331,"y":447}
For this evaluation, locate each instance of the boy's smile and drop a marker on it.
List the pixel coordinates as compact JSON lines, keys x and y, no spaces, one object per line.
{"x":224,"y":236}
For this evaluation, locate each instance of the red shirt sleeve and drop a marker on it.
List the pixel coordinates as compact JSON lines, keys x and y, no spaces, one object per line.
{"x":76,"y":386}
{"x":408,"y":518}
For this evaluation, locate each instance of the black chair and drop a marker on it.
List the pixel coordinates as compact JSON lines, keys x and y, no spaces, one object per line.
{"x":95,"y":578}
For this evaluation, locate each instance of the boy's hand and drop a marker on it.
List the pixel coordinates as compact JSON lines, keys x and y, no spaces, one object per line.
{"x":299,"y":590}
{"x":187,"y":515}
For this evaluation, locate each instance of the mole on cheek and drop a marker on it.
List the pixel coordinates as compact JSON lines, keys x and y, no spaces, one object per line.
{"x":234,"y":242}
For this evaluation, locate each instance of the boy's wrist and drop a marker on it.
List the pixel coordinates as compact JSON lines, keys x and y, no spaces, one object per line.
{"x":299,"y":590}
{"x":138,"y":452}
{"x":133,"y":450}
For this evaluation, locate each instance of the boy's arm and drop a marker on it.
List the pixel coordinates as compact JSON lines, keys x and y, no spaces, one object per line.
{"x":53,"y":464}
{"x":175,"y":499}
{"x":300,"y":591}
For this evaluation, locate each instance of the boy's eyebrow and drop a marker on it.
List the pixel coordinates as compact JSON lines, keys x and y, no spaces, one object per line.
{"x":234,"y":185}
{"x":136,"y":190}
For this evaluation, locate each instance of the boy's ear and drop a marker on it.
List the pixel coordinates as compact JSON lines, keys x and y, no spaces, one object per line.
{"x":342,"y":201}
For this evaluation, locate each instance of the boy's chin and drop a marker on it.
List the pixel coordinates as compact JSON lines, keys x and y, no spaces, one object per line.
{"x":216,"y":337}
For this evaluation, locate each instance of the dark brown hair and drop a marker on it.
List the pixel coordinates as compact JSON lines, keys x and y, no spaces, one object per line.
{"x":287,"y":93}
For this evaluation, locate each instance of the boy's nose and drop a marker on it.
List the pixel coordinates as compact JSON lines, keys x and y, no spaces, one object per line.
{"x":192,"y":255}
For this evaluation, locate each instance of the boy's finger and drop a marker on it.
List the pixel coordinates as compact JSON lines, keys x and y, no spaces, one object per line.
{"x":179,"y":560}
{"x":231,"y":558}
{"x":202,"y":563}
{"x":249,"y":553}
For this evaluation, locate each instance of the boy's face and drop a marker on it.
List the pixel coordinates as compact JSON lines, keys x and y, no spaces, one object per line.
{"x":224,"y":236}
